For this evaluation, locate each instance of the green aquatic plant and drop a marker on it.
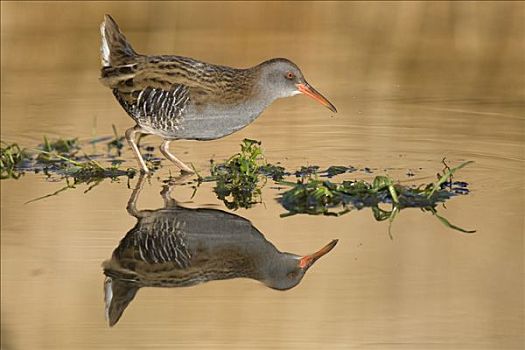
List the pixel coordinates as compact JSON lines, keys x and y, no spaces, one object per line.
{"x":11,"y":155}
{"x":90,"y":169}
{"x":52,"y":151}
{"x":314,"y":196}
{"x":273,"y":171}
{"x":311,"y":195}
{"x":238,"y":180}
{"x":61,"y":146}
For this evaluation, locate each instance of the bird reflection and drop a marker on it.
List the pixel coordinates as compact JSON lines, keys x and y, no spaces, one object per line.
{"x":175,"y":246}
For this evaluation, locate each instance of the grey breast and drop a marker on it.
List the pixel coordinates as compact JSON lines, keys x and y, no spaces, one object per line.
{"x":174,"y":115}
{"x":215,"y":121}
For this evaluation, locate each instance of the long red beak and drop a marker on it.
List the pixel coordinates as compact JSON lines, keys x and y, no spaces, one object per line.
{"x":307,"y":261}
{"x":313,"y":93}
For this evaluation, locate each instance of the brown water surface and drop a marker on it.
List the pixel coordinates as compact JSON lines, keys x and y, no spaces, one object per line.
{"x":413,"y":83}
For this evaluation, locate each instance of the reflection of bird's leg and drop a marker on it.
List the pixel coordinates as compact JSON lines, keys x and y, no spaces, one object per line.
{"x":166,"y":189}
{"x":166,"y":195}
{"x":130,"y":136}
{"x":132,"y":202}
{"x":164,"y":149}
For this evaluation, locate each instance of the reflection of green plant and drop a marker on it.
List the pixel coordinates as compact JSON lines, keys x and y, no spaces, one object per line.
{"x":91,"y":170}
{"x":88,"y":172}
{"x":335,"y":170}
{"x":310,"y":195}
{"x":117,"y":143}
{"x":11,"y":156}
{"x":447,"y":175}
{"x":238,"y":179}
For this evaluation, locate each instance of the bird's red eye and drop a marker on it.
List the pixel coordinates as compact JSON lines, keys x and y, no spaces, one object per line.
{"x":290,"y":75}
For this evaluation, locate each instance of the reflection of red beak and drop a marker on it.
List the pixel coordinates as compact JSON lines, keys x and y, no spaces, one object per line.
{"x":310,"y":91}
{"x":307,"y":261}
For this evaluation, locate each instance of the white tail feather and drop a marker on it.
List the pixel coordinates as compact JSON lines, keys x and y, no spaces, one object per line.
{"x":108,"y":295}
{"x":104,"y":47}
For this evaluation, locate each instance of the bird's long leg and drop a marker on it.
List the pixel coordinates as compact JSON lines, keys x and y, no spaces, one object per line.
{"x":164,"y":149}
{"x":130,"y":136}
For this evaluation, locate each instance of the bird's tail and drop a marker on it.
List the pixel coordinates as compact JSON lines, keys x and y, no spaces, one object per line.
{"x":115,"y":50}
{"x":117,"y":296}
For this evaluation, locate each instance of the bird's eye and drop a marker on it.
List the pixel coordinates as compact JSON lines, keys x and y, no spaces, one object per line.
{"x":292,"y":274}
{"x":290,"y":76}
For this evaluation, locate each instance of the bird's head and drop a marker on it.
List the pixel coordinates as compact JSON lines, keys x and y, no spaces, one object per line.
{"x":289,"y":270}
{"x":281,"y":77}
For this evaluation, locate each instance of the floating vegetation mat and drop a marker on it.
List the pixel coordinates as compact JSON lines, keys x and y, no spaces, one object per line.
{"x":62,"y":159}
{"x":11,"y":156}
{"x":89,"y":172}
{"x":312,"y":195}
{"x":315,"y":196}
{"x":239,"y":180}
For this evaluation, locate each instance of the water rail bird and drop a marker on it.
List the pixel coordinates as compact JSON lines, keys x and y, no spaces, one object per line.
{"x":174,"y":246}
{"x":178,"y":97}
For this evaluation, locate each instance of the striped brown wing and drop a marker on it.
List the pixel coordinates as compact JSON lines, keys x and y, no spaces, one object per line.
{"x":148,"y":96}
{"x":162,"y":242}
{"x":155,"y":106}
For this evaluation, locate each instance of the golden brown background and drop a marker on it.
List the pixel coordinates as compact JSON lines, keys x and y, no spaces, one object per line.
{"x":413,"y":82}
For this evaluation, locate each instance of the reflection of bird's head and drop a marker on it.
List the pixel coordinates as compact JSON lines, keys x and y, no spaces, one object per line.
{"x":287,"y":270}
